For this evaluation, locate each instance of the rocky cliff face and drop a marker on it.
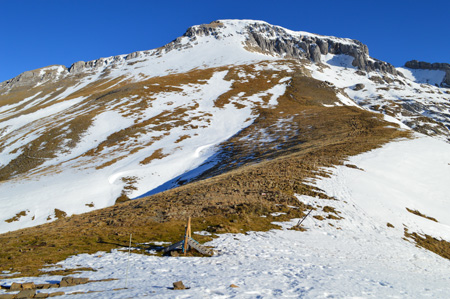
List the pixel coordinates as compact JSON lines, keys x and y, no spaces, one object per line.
{"x":272,"y":39}
{"x":303,"y":45}
{"x":414,"y":64}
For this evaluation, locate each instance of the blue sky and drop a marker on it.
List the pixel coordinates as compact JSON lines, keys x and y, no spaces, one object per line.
{"x":40,"y":33}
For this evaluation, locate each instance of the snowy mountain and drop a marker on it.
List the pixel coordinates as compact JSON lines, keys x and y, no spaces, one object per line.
{"x":240,"y":113}
{"x":130,"y":123}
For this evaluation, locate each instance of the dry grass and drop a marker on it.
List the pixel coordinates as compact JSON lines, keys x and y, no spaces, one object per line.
{"x":158,"y":154}
{"x":17,"y":216}
{"x":440,"y":247}
{"x":415,"y":212}
{"x":32,"y":248}
{"x":182,"y":137}
{"x":60,"y":214}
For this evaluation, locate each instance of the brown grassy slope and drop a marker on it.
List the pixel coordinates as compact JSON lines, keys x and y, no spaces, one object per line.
{"x":232,"y":201}
{"x":70,"y":125}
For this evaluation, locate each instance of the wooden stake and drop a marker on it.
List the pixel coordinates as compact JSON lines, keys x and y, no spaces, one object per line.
{"x":189,"y":227}
{"x":187,"y":235}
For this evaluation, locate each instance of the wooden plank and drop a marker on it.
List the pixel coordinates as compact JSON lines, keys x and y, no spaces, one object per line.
{"x":199,"y":247}
{"x":175,"y":246}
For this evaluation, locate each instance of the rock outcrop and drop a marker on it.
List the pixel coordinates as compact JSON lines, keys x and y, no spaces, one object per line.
{"x":277,"y":40}
{"x":34,"y":77}
{"x":414,"y":64}
{"x":272,"y":39}
{"x":81,"y":66}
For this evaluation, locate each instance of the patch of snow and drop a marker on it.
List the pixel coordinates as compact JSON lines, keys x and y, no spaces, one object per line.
{"x":276,"y":214}
{"x":203,"y":233}
{"x":423,"y":76}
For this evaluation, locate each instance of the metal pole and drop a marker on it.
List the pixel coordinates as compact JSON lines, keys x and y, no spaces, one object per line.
{"x":300,"y":222}
{"x":128,"y":263}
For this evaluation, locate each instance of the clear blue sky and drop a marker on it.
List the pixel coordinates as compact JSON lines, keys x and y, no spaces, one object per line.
{"x":37,"y":33}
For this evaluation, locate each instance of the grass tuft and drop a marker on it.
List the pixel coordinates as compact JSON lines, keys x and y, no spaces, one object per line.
{"x":440,"y":247}
{"x":415,"y":212}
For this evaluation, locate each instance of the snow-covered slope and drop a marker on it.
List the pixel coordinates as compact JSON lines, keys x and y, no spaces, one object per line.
{"x":174,"y":132}
{"x":422,"y":107}
{"x":79,"y":138}
{"x":358,"y":256}
{"x":432,"y":77}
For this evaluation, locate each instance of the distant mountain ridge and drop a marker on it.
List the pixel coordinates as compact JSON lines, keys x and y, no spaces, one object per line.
{"x":267,"y":38}
{"x":261,"y":36}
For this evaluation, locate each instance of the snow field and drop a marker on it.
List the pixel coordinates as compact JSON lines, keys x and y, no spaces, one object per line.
{"x":404,"y":174}
{"x":355,"y":257}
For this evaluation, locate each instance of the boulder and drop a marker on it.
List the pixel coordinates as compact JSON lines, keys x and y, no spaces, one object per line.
{"x":26,"y":294}
{"x":174,"y":253}
{"x":72,"y":281}
{"x":42,"y":286}
{"x":178,"y":285}
{"x":15,"y":286}
{"x":66,"y":282}
{"x":55,"y":294}
{"x":28,"y":286}
{"x":358,"y":86}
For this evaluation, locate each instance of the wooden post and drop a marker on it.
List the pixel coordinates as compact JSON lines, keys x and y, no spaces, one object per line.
{"x":187,"y":235}
{"x":189,"y":227}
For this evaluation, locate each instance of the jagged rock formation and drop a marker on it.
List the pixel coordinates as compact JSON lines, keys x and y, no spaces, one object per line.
{"x":414,"y":64}
{"x":274,"y":39}
{"x":265,"y":38}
